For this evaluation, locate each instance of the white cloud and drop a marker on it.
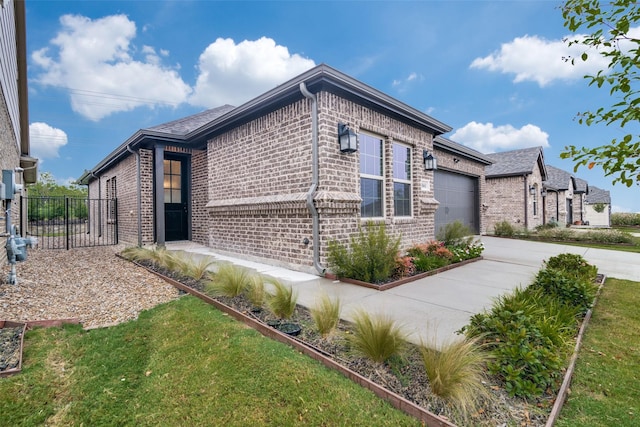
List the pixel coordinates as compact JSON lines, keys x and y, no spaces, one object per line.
{"x":487,"y":138}
{"x":45,"y":140}
{"x":95,"y":60}
{"x":231,"y":73}
{"x":403,"y":84}
{"x":535,"y":59}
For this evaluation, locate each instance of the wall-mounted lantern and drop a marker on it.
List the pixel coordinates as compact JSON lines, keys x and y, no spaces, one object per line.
{"x":532,"y":190}
{"x":347,"y":138}
{"x":543,"y":193}
{"x":430,"y":162}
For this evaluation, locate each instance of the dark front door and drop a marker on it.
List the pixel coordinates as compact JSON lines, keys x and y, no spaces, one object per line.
{"x":176,"y":198}
{"x":569,"y":211}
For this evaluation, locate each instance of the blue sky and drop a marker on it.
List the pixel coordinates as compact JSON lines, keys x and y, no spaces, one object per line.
{"x":493,"y":70}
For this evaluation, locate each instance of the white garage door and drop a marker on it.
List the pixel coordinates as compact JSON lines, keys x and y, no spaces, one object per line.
{"x":458,"y":197}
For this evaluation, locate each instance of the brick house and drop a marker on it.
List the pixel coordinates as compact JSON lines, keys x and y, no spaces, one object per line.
{"x":269,"y":180}
{"x":14,"y":117}
{"x":579,"y":200}
{"x":598,"y":207}
{"x":513,"y":188}
{"x":561,"y":192}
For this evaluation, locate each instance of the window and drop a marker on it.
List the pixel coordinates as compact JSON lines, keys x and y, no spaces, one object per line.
{"x":112,"y":194}
{"x":371,"y":176}
{"x":401,"y":180}
{"x":535,"y":200}
{"x":172,"y":181}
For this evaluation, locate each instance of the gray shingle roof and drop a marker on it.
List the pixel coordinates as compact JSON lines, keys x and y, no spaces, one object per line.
{"x":190,"y":123}
{"x":457,"y":148}
{"x":515,"y":162}
{"x":582,"y":186}
{"x":558,"y":179}
{"x":598,"y":195}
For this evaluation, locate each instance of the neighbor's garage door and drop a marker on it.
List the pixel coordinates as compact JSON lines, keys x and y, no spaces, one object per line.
{"x":458,"y":197}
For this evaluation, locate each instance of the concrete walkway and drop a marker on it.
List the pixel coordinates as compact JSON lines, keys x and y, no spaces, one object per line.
{"x":434,"y":308}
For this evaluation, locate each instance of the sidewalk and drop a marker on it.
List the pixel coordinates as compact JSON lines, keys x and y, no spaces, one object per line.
{"x":432,"y":309}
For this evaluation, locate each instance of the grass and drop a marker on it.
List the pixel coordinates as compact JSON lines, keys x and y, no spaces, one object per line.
{"x":376,"y":336}
{"x":282,"y":302}
{"x":182,"y":363}
{"x":605,"y":389}
{"x":229,"y":281}
{"x":456,"y":373}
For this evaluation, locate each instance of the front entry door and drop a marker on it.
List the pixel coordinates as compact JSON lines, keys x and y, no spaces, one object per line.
{"x":176,"y":198}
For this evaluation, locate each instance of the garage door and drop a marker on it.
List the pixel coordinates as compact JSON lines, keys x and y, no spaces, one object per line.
{"x":458,"y":197}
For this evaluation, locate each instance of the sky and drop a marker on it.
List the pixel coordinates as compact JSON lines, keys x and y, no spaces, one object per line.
{"x":492,"y":70}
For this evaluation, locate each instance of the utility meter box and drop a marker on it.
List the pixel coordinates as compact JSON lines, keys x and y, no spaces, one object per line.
{"x":10,"y":186}
{"x":2,"y":193}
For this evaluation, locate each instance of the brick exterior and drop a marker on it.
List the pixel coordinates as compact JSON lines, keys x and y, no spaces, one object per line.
{"x":505,"y":198}
{"x":556,"y":203}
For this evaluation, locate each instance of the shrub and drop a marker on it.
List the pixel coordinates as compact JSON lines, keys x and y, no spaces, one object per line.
{"x":503,"y":229}
{"x":456,"y":373}
{"x":282,"y":302}
{"x":454,"y":234}
{"x":607,"y":237}
{"x":197,"y":268}
{"x":527,"y":332}
{"x":464,"y":252}
{"x":557,"y":234}
{"x":326,"y":314}
{"x":404,"y":266}
{"x":229,"y":281}
{"x":625,"y":219}
{"x":572,"y":264}
{"x":377,"y":337}
{"x":371,"y":257}
{"x":429,"y":262}
{"x":568,"y":289}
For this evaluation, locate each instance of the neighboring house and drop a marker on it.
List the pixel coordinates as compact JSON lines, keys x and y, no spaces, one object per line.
{"x":513,"y":190}
{"x":598,"y":207}
{"x":459,"y":185}
{"x":14,"y":118}
{"x":269,"y":180}
{"x":560,"y":188}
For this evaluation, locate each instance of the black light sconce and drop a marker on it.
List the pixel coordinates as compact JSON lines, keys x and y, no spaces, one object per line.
{"x":430,"y":162}
{"x":456,"y":160}
{"x":543,"y":193}
{"x":532,"y":190}
{"x":347,"y":138}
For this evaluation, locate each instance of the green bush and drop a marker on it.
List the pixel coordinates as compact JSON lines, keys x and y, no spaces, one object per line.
{"x":504,"y":229}
{"x":572,"y":264}
{"x":527,"y":332}
{"x":607,"y":237}
{"x":572,"y":291}
{"x":371,"y":257}
{"x":464,"y":252}
{"x":455,"y":234}
{"x":625,"y":219}
{"x":425,"y":262}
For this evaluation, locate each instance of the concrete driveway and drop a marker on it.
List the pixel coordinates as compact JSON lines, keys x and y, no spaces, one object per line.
{"x":434,"y":308}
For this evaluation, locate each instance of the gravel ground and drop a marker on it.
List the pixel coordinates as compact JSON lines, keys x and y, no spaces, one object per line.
{"x":89,"y":284}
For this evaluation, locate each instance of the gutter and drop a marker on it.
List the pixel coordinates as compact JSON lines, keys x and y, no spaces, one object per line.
{"x":526,"y":201}
{"x":139,"y":193}
{"x":314,"y":179}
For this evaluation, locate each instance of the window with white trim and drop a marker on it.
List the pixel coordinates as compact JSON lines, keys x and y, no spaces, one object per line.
{"x":112,"y":194}
{"x":401,"y":180}
{"x":371,"y":176}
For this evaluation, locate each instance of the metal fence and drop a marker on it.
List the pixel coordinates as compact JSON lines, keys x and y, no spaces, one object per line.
{"x":68,"y":222}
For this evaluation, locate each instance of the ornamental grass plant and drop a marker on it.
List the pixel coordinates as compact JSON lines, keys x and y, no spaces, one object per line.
{"x":282,"y":299}
{"x":255,"y":291}
{"x":326,"y":314}
{"x":230,"y":281}
{"x":376,"y":336}
{"x":456,"y":373}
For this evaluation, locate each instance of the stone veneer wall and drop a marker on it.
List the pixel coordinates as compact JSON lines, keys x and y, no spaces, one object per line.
{"x":504,"y":199}
{"x":260,"y":172}
{"x":466,"y":167}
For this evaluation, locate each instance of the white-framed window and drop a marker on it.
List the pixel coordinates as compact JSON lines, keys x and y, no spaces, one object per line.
{"x":371,"y":176}
{"x":535,"y":200}
{"x":112,"y":195}
{"x":402,"y":199}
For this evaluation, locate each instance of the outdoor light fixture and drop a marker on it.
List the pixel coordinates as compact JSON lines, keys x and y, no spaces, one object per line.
{"x":347,"y":138}
{"x":532,"y":190}
{"x":543,"y":193}
{"x":430,"y":162}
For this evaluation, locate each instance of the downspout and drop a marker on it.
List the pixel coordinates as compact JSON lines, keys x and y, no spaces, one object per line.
{"x":137,"y":153}
{"x":314,"y":178}
{"x":526,"y":202}
{"x":99,"y":198}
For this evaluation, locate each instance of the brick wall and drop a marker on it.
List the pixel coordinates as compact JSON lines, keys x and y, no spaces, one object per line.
{"x":505,"y":200}
{"x":259,"y":174}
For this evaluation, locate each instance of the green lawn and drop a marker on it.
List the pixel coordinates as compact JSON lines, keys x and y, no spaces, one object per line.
{"x":605,"y":390}
{"x":182,"y":363}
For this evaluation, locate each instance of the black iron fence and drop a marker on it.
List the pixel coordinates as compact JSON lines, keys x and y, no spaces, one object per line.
{"x":69,"y":222}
